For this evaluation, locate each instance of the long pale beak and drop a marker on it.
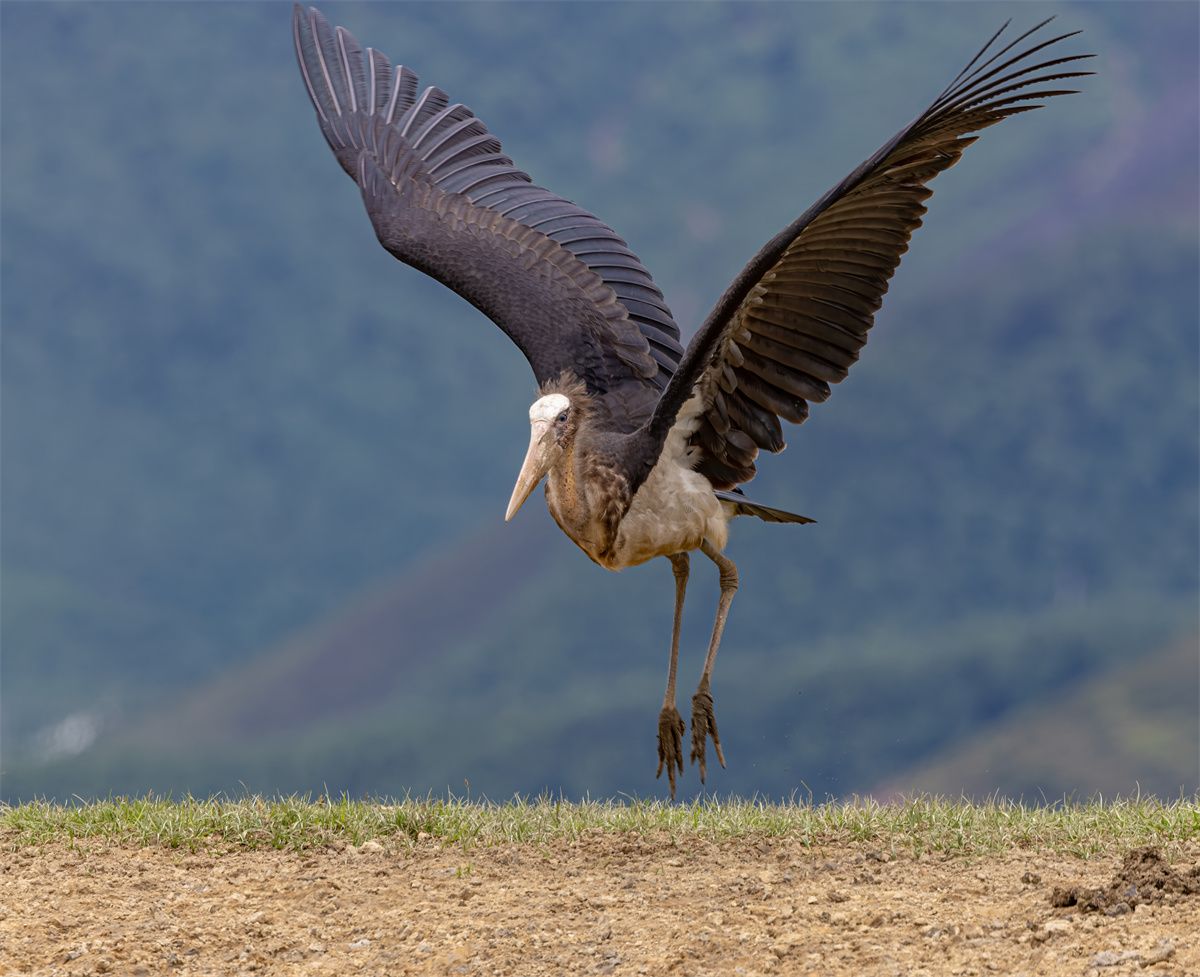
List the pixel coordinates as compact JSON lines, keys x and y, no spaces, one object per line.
{"x":533,"y":468}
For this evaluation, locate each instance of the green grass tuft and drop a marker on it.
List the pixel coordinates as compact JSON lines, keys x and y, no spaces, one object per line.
{"x":915,"y":825}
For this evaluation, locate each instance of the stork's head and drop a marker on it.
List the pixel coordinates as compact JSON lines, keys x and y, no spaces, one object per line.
{"x":550,"y":424}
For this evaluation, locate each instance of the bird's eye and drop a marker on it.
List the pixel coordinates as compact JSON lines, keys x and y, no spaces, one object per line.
{"x":562,"y":418}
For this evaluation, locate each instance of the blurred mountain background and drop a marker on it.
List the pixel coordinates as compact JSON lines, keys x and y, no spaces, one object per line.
{"x":254,"y":470}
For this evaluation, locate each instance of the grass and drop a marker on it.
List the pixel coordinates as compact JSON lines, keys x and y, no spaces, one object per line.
{"x":916,"y":825}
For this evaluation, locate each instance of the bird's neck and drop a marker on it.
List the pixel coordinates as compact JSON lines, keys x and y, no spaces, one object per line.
{"x":586,"y":499}
{"x":564,"y":495}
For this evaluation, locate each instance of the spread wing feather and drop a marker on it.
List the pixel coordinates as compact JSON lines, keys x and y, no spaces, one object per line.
{"x":555,"y":258}
{"x":793,"y":322}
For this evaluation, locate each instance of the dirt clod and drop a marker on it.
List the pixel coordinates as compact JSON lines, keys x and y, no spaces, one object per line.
{"x":1160,"y":954}
{"x":1144,"y":877}
{"x":1114,"y":958}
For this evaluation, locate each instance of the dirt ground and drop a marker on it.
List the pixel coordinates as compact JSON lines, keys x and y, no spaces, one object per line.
{"x":603,"y":905}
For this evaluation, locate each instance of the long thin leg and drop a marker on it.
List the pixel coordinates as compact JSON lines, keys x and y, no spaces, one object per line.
{"x":704,"y":723}
{"x":670,"y":723}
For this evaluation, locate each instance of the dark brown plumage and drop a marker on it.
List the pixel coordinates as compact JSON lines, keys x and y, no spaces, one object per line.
{"x":641,"y":443}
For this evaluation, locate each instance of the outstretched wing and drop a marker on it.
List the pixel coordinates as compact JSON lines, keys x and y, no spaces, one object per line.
{"x":794,"y":320}
{"x":444,"y":198}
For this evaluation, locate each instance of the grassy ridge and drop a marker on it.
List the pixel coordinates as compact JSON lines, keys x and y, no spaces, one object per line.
{"x":914,"y":825}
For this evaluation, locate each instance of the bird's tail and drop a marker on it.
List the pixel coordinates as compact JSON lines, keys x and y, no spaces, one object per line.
{"x":742,"y":506}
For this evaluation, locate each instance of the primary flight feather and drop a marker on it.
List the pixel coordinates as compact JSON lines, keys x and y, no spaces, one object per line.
{"x":643,"y":444}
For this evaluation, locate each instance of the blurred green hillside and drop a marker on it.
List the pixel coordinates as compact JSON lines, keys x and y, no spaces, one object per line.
{"x":254,"y":470}
{"x":1137,"y":719}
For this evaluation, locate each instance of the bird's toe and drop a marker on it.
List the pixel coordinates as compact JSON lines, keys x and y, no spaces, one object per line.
{"x":670,"y":744}
{"x":704,"y":725}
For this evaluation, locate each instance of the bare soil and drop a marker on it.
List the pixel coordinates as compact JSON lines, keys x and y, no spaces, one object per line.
{"x":607,"y":904}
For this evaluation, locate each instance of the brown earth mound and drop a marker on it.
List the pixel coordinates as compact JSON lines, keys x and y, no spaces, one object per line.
{"x":1144,"y":877}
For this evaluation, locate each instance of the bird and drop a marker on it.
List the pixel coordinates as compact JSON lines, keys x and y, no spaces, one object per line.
{"x":643,"y":444}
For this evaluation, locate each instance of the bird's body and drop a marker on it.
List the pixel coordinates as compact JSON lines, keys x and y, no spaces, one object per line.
{"x":641,"y":443}
{"x":674,"y":511}
{"x":590,"y":498}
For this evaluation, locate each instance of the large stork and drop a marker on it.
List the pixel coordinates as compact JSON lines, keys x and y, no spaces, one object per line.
{"x":643,"y":444}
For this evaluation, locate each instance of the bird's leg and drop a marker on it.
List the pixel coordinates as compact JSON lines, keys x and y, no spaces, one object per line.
{"x":704,"y":723}
{"x":670,"y":723}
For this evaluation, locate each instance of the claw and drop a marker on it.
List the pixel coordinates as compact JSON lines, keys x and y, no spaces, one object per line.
{"x":670,"y":744}
{"x":704,"y":724}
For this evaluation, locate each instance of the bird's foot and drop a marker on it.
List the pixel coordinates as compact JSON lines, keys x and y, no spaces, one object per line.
{"x":670,"y":744}
{"x":704,"y":724}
